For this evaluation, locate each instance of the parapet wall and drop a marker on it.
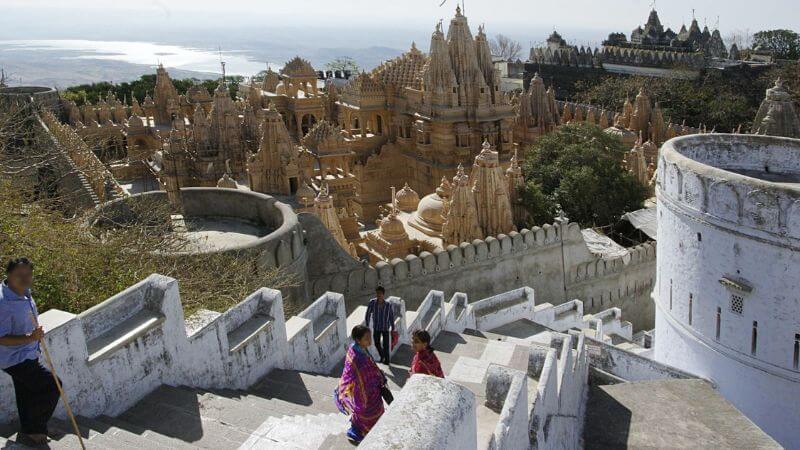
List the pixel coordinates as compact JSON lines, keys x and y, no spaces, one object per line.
{"x":115,"y":353}
{"x":705,"y":175}
{"x":429,"y":413}
{"x":557,"y":417}
{"x":545,"y":257}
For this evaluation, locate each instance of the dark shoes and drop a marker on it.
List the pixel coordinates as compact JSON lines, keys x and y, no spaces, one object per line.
{"x":33,"y":440}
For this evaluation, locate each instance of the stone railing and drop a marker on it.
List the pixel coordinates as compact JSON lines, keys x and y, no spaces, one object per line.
{"x":102,"y":182}
{"x":612,"y":323}
{"x":507,"y":394}
{"x":501,"y":309}
{"x":629,"y":366}
{"x":115,"y":353}
{"x":318,"y":336}
{"x":556,"y":420}
{"x":429,"y":316}
{"x":429,"y":413}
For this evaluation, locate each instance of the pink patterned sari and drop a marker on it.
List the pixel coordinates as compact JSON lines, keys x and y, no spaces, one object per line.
{"x":359,"y":392}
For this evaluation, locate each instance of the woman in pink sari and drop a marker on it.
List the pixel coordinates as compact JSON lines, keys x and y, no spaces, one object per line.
{"x":359,"y":391}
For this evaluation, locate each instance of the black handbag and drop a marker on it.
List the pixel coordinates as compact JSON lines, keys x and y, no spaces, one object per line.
{"x":387,"y":396}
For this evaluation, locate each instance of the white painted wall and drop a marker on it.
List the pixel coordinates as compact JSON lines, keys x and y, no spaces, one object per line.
{"x":714,"y":224}
{"x":557,"y":417}
{"x":154,"y":346}
{"x":507,"y":392}
{"x":429,"y":413}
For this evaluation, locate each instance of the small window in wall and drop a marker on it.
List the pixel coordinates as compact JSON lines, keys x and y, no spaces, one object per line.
{"x":737,"y":304}
{"x":591,"y":303}
{"x":796,"y":358}
{"x":699,"y":237}
{"x":690,"y":308}
{"x":719,"y":321}
{"x":455,"y":91}
{"x":754,"y":340}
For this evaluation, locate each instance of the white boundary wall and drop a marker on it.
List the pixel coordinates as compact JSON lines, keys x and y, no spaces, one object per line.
{"x":115,"y":353}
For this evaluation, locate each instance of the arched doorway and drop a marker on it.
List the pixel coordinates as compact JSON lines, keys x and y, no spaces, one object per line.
{"x":307,"y":123}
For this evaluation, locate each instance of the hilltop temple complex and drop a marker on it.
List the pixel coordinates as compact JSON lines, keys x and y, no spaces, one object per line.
{"x":409,"y":177}
{"x":435,"y":124}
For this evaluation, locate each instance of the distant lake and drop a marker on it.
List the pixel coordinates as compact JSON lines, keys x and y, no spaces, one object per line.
{"x":147,"y":53}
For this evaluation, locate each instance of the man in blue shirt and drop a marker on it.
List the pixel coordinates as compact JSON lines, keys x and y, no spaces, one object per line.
{"x":34,"y":386}
{"x":381,"y":314}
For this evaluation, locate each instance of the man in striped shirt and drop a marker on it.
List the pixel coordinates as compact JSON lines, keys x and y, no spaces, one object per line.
{"x":381,"y":314}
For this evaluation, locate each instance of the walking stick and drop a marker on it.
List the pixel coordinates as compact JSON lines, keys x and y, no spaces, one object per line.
{"x":58,"y":385}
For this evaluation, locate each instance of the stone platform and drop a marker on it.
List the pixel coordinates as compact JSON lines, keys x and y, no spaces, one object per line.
{"x":667,"y":414}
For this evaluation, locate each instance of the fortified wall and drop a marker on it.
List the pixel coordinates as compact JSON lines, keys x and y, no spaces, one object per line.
{"x":554,"y":259}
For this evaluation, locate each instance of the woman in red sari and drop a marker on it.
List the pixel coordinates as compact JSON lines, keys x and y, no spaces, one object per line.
{"x":425,"y":361}
{"x":359,"y":391}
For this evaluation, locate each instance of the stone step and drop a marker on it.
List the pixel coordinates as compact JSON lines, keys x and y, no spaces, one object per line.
{"x":60,"y":437}
{"x":309,"y":431}
{"x":125,"y":438}
{"x":507,"y":354}
{"x":337,"y":442}
{"x":177,"y":414}
{"x":158,"y":440}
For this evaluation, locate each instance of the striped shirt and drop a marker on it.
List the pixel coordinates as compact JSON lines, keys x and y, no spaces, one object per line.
{"x":381,"y":314}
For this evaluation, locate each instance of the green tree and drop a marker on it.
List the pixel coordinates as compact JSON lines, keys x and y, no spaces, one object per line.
{"x":785,"y":44}
{"x":146,"y":84}
{"x":715,"y":99}
{"x":578,"y":167}
{"x":343,"y":63}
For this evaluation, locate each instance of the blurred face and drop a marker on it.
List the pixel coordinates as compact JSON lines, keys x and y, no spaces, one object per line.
{"x":20,"y":279}
{"x":366,"y":340}
{"x":379,"y":295}
{"x":417,"y":344}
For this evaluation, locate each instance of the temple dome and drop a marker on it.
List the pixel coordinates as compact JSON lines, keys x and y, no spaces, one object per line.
{"x":407,"y":199}
{"x":392,"y":229}
{"x":429,"y":217}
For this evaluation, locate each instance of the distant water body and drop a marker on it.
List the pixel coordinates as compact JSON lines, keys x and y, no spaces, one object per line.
{"x":147,"y":53}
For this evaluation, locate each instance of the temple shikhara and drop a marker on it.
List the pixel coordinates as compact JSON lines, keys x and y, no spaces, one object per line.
{"x":436,"y":127}
{"x":408,"y":179}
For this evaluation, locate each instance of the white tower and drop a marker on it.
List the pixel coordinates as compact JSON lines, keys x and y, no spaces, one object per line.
{"x":728,"y":287}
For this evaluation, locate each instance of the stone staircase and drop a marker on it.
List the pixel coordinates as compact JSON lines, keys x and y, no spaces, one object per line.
{"x":284,"y":410}
{"x":309,"y":431}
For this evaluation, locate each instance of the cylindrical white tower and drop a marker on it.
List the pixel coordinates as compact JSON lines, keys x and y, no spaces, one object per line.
{"x":728,"y":287}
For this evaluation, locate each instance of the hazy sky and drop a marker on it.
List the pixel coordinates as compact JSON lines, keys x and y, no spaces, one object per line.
{"x":515,"y":17}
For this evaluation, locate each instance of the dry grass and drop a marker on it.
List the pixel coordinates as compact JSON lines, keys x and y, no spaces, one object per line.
{"x":75,"y":269}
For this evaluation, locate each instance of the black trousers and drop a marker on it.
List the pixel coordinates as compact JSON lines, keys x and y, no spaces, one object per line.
{"x":382,"y":342}
{"x":37,"y":395}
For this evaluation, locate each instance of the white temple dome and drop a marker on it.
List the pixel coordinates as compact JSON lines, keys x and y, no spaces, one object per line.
{"x":429,"y":217}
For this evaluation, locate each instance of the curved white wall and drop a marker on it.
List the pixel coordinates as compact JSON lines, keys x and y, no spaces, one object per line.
{"x":722,"y":235}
